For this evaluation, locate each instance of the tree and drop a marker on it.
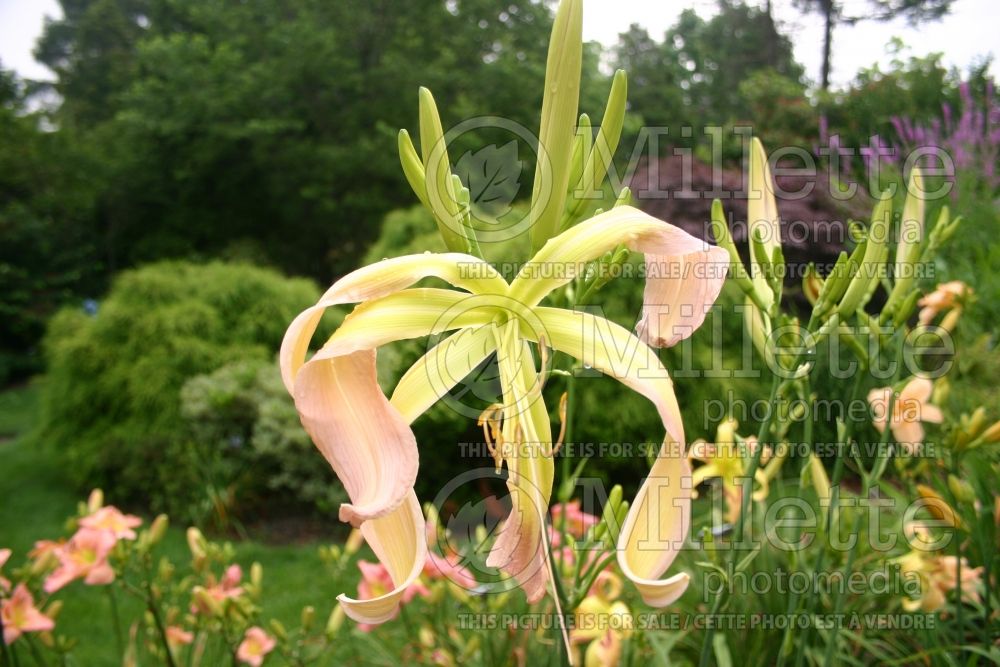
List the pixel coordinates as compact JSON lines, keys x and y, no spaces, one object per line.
{"x":693,"y":76}
{"x":268,"y":129}
{"x":834,"y":12}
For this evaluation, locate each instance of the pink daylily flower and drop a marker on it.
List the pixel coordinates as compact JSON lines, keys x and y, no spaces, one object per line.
{"x":226,"y":588}
{"x":366,"y":437}
{"x":85,"y":557}
{"x":111,"y":519}
{"x":255,"y":646}
{"x":20,"y":615}
{"x":577,"y":521}
{"x":911,"y":407}
{"x":441,"y":567}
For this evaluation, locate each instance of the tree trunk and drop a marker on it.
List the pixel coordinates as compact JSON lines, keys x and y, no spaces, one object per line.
{"x":827,"y":6}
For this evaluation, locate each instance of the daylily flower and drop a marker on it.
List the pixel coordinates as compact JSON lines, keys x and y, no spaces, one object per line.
{"x":109,"y":518}
{"x":911,"y":407}
{"x":947,"y":295}
{"x":4,"y":557}
{"x":85,"y":557}
{"x":178,"y":636}
{"x":604,"y":621}
{"x":255,"y":646}
{"x":366,"y":437}
{"x":217,"y":592}
{"x":727,"y":459}
{"x":45,"y":555}
{"x":20,"y":615}
{"x":938,"y":576}
{"x":441,"y":567}
{"x":576,"y":521}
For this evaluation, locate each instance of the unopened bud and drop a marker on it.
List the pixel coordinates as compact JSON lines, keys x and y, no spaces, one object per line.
{"x":278,"y":629}
{"x":307,"y":617}
{"x":961,"y":489}
{"x":335,"y":622}
{"x":95,"y":501}
{"x":158,"y":528}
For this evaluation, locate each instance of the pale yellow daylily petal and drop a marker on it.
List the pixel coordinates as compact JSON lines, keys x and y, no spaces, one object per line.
{"x":655,"y":528}
{"x":684,"y":275}
{"x":378,"y":280}
{"x":444,"y":366}
{"x":520,"y":549}
{"x":398,"y":541}
{"x":613,"y":350}
{"x":762,"y":211}
{"x":657,"y":521}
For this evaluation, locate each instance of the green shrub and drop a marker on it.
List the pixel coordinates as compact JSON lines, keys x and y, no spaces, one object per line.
{"x":111,"y":401}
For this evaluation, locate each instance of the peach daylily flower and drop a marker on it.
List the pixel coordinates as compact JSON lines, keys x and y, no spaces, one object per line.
{"x":367,"y":439}
{"x":947,"y":295}
{"x":178,"y":636}
{"x":4,"y":557}
{"x":20,"y":615}
{"x":938,"y":576}
{"x":85,"y":557}
{"x":111,"y":519}
{"x":255,"y":646}
{"x":911,"y":407}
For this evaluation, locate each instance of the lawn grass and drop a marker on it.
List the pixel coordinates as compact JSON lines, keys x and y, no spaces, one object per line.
{"x":37,"y":499}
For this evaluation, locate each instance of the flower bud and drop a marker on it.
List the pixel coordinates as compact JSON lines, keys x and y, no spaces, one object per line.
{"x":95,"y":501}
{"x":256,"y":574}
{"x":335,"y":622}
{"x":278,"y":629}
{"x":354,"y":542}
{"x":158,"y":528}
{"x":992,"y":434}
{"x":961,"y":489}
{"x":307,"y":617}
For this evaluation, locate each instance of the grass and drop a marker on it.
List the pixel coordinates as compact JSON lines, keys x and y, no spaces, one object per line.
{"x":37,"y":499}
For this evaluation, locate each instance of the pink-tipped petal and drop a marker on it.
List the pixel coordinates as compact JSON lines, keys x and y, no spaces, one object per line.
{"x":364,"y":438}
{"x":684,"y":275}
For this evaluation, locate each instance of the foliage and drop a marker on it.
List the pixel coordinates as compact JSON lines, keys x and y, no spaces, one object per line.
{"x":111,"y":403}
{"x":271,"y":124}
{"x":46,"y":257}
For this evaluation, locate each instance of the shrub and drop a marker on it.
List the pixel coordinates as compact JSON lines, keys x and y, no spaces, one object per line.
{"x":111,"y":401}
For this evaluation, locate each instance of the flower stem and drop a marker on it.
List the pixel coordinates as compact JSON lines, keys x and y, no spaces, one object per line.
{"x":116,"y":620}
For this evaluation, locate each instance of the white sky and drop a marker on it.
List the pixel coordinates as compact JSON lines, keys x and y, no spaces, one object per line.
{"x":968,"y":32}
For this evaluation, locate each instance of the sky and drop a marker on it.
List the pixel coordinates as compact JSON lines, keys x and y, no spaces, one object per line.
{"x":967,"y":33}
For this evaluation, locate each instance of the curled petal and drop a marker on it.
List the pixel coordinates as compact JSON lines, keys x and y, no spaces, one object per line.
{"x":654,"y":530}
{"x":684,"y":275}
{"x":399,"y":543}
{"x":657,"y":521}
{"x":367,"y":441}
